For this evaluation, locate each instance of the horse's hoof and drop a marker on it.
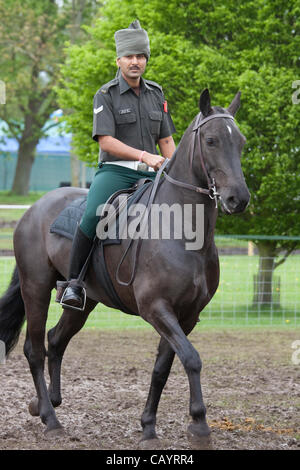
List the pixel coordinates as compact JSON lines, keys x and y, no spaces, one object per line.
{"x":54,"y":432}
{"x":150,"y":444}
{"x":33,"y":407}
{"x":200,"y":435}
{"x":200,"y":429}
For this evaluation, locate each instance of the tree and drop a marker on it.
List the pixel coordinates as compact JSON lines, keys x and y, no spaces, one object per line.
{"x":32,"y":37}
{"x":265,"y":71}
{"x":81,"y":12}
{"x":252,"y":46}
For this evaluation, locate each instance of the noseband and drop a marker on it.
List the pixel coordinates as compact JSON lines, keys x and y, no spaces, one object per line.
{"x":211,"y":191}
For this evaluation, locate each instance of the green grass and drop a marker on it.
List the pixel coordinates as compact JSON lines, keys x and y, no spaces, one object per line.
{"x":6,"y":240}
{"x":9,"y":215}
{"x":224,"y":242}
{"x":6,"y":197}
{"x":230,"y":307}
{"x":13,"y":215}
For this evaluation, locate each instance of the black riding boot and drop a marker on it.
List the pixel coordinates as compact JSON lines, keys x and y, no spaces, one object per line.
{"x":74,"y":294}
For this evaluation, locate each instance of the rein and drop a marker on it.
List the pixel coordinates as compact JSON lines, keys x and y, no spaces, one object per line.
{"x":143,"y":225}
{"x":211,"y":191}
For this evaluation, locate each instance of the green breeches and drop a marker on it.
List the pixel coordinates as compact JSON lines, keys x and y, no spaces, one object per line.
{"x":108,"y":179}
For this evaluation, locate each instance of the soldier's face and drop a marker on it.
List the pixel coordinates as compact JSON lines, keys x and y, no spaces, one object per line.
{"x":132,"y":66}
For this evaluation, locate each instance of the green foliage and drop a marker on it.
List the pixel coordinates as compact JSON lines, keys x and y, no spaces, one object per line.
{"x":252,"y":46}
{"x":32,"y":38}
{"x":30,"y":33}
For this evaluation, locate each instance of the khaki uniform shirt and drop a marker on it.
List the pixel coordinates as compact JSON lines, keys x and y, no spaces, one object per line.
{"x":138,"y":121}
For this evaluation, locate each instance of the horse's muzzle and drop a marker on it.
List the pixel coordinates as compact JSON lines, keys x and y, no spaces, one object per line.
{"x":235,"y":202}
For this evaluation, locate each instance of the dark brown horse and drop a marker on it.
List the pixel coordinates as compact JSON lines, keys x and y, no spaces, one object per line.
{"x":171,"y":286}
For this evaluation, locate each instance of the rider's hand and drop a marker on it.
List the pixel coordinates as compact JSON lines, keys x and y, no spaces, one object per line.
{"x":155,"y":161}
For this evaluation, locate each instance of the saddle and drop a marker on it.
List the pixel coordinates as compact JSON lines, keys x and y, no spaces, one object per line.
{"x":66,"y":223}
{"x":68,"y":219}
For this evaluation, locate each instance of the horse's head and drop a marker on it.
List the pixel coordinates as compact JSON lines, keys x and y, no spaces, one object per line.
{"x":221,"y":144}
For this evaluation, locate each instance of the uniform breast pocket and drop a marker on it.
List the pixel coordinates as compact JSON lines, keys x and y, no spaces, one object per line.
{"x":155,"y":122}
{"x":126,"y":124}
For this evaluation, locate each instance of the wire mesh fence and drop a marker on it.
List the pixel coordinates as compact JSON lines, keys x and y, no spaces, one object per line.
{"x":245,"y":296}
{"x":234,"y":303}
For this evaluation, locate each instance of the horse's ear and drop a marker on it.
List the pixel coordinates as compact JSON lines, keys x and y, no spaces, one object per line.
{"x":204,"y":103}
{"x":235,"y":104}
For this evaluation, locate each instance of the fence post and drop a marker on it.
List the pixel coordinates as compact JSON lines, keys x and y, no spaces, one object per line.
{"x":2,"y":352}
{"x":250,"y":249}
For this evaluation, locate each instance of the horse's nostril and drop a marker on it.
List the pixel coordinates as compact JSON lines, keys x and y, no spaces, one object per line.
{"x":233,"y":201}
{"x":236,"y":204}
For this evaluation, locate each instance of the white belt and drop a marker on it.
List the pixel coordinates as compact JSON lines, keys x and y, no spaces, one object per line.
{"x":133,"y":164}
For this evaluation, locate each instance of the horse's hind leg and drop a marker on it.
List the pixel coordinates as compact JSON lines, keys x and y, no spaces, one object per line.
{"x":58,"y":338}
{"x":36,"y":300}
{"x":159,"y":378}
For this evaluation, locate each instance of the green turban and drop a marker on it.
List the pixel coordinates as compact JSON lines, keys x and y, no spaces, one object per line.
{"x":133,"y":40}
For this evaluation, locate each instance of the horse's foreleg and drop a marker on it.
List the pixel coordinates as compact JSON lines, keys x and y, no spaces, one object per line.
{"x":58,"y":338}
{"x":160,"y":375}
{"x":164,"y":320}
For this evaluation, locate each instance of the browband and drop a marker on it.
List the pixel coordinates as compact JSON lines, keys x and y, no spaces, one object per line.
{"x":200,"y":122}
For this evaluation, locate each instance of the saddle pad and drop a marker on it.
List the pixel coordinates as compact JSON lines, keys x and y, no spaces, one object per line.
{"x":66,"y":223}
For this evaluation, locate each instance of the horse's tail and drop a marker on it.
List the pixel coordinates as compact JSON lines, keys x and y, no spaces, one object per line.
{"x":12,"y":313}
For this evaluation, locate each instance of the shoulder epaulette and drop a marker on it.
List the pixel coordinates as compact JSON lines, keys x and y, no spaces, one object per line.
{"x":108,"y":85}
{"x":150,"y":82}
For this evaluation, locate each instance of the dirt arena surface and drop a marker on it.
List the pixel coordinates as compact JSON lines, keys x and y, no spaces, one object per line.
{"x":250,"y":387}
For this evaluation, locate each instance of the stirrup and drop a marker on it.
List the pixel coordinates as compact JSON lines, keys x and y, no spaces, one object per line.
{"x":80,"y":309}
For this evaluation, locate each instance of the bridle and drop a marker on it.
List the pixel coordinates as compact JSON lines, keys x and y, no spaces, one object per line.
{"x":211,"y":191}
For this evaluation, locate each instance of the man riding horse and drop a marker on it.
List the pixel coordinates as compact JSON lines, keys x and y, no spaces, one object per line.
{"x":130,"y":119}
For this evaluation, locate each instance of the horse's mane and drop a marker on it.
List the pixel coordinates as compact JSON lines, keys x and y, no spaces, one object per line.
{"x":185,"y":139}
{"x":181,"y":144}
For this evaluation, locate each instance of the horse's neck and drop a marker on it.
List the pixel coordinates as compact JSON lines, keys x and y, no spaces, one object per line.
{"x":180,"y":168}
{"x":197,"y":213}
{"x":184,"y":166}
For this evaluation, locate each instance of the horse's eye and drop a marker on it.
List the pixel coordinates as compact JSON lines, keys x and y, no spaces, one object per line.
{"x":210,"y":141}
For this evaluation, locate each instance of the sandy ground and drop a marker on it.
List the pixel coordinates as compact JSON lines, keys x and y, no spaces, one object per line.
{"x":250,"y":387}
